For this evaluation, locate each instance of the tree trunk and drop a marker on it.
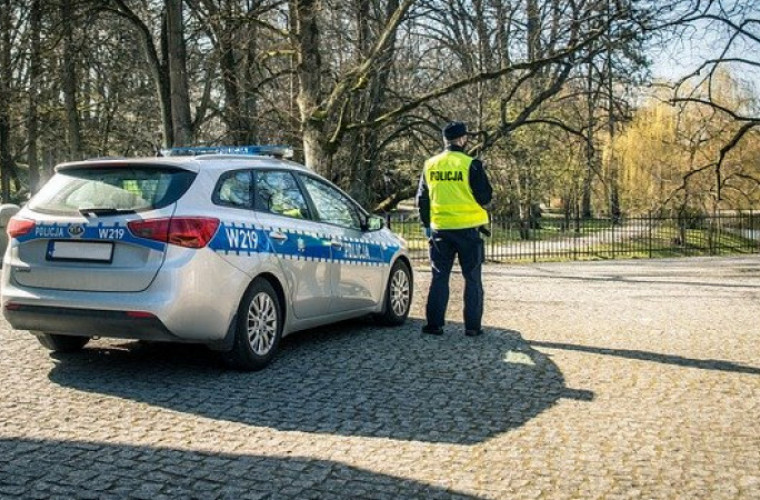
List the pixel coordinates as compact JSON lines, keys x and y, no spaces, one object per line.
{"x":231,"y":85}
{"x":527,"y":173}
{"x":6,"y":159}
{"x":249,"y":96}
{"x":162,"y":79}
{"x":533,"y":29}
{"x":325,"y":119}
{"x":357,"y":174}
{"x":586,"y":211}
{"x":316,"y":155}
{"x":615,"y":211}
{"x":502,"y":34}
{"x":363,"y":163}
{"x":309,"y":72}
{"x":159,"y":67}
{"x":180,"y":97}
{"x":35,"y":19}
{"x":224,"y":26}
{"x":69,"y":83}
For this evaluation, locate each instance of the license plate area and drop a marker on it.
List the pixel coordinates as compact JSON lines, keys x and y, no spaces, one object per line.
{"x":80,"y":251}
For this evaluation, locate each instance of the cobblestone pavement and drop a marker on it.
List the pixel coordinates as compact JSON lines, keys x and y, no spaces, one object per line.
{"x":623,"y":379}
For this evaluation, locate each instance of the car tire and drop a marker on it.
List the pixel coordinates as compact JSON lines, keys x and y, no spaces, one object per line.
{"x":398,"y":295}
{"x":259,"y":328}
{"x":62,"y":343}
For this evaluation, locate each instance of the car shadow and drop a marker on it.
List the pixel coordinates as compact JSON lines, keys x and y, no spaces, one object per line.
{"x":31,"y":468}
{"x":348,"y":379}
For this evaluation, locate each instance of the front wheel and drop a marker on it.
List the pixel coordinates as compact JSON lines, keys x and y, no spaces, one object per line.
{"x":259,"y":328}
{"x":62,"y":343}
{"x":398,"y":295}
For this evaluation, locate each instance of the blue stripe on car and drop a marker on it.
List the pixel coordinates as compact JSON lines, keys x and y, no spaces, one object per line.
{"x":241,"y":239}
{"x":84,"y":232}
{"x":237,"y":239}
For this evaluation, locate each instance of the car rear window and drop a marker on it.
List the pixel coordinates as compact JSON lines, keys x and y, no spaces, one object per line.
{"x":118,"y":189}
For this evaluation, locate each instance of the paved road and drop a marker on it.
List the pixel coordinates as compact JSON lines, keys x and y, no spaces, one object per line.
{"x":624,"y":379}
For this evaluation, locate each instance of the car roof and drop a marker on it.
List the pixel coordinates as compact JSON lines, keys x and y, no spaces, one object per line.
{"x":221,"y":162}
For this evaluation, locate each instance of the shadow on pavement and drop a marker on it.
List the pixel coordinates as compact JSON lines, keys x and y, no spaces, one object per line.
{"x":352,"y":379}
{"x":61,"y":469}
{"x":669,"y":359}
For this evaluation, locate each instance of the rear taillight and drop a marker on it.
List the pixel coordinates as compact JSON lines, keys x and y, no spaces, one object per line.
{"x":192,"y":232}
{"x":19,"y":227}
{"x":188,"y":232}
{"x":140,"y":315}
{"x":151,"y":229}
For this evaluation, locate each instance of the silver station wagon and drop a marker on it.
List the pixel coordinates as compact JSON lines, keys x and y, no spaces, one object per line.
{"x":229,"y":250}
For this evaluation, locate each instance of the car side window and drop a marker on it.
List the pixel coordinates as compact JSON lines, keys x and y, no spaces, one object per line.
{"x":332,"y":206}
{"x":234,"y":189}
{"x":277,"y":192}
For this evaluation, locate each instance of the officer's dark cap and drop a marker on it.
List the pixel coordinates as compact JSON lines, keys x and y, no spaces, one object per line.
{"x":454,"y":130}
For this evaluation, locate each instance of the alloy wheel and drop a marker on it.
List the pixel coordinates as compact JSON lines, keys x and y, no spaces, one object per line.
{"x":400,"y":292}
{"x":262,"y":323}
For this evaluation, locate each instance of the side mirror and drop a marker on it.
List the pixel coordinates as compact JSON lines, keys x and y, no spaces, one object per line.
{"x":374,"y":223}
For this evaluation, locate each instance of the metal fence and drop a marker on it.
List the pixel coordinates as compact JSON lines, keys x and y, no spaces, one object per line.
{"x":648,"y":236}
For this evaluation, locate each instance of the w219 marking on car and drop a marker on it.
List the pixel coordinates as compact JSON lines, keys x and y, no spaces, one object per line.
{"x":243,"y":239}
{"x":233,"y":248}
{"x":111,"y":233}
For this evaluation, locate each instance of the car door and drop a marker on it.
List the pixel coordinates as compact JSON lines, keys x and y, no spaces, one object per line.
{"x":358,"y":260}
{"x":240,"y":239}
{"x":304,"y":253}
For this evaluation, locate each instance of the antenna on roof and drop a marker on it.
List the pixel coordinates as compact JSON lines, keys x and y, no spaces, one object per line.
{"x":252,"y":150}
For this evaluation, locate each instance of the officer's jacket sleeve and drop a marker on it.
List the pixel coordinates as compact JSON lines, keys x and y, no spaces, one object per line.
{"x":423,"y":201}
{"x":479,"y":183}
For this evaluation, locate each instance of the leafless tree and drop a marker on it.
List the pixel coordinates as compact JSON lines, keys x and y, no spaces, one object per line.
{"x":733,"y":28}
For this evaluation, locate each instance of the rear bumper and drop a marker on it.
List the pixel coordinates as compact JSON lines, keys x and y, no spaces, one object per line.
{"x":191,"y":302}
{"x":86,"y":322}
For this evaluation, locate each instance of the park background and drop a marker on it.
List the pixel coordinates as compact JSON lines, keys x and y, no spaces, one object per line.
{"x":593,"y":117}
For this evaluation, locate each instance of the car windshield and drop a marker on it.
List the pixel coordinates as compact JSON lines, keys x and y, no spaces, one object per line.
{"x":111,"y":189}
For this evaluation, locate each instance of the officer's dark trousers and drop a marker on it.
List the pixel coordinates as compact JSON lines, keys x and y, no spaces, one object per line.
{"x":445,"y":245}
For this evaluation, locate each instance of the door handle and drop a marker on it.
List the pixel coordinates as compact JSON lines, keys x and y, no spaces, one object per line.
{"x":278,"y":236}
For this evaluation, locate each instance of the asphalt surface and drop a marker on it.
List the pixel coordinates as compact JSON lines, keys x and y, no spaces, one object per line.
{"x":623,"y":379}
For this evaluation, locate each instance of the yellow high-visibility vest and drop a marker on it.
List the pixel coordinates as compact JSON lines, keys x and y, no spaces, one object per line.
{"x":452,"y":204}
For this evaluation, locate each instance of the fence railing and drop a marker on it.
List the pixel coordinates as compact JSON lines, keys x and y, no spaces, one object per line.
{"x":647,"y":236}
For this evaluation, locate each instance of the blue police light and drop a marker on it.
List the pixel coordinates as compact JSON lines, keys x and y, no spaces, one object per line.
{"x":251,"y":150}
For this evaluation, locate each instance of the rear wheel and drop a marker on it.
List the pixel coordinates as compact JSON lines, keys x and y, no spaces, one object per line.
{"x":259,"y":328}
{"x":62,"y":343}
{"x":398,"y":295}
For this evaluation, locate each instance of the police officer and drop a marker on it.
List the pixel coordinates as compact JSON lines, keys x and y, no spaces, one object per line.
{"x":452,"y":192}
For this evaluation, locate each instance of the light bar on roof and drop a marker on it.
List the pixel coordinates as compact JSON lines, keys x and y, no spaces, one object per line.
{"x":252,"y":150}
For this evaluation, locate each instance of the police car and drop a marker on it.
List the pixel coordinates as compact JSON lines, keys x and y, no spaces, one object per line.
{"x":229,"y":247}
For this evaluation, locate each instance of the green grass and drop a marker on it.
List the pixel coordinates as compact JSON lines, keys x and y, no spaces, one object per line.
{"x":666,"y":242}
{"x":503,"y":235}
{"x":663,"y":243}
